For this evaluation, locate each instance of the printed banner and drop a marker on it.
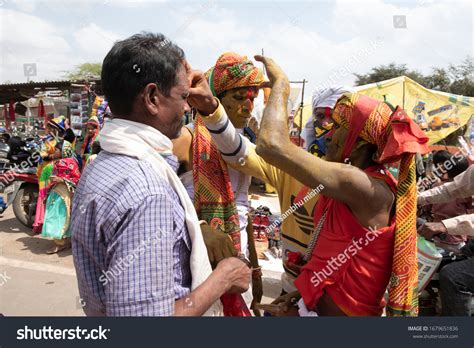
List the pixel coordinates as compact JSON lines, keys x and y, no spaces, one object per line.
{"x":437,"y":113}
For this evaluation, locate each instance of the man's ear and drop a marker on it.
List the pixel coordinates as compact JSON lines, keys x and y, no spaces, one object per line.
{"x":151,"y":98}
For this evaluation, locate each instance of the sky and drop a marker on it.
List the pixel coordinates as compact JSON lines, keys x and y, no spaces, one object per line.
{"x":324,"y":42}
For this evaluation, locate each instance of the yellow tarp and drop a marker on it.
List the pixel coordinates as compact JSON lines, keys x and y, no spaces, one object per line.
{"x":438,"y":113}
{"x":307,"y":112}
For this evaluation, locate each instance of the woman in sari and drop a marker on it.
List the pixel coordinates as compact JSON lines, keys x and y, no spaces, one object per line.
{"x":55,"y":128}
{"x":63,"y":181}
{"x":92,"y":135}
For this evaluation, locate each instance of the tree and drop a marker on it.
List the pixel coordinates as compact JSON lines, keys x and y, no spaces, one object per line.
{"x":85,"y":71}
{"x":438,"y":80}
{"x":385,"y":72}
{"x":463,"y":78}
{"x":454,"y":79}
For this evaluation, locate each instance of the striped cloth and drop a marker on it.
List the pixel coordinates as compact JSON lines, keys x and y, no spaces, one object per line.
{"x":397,"y":138}
{"x":233,"y":71}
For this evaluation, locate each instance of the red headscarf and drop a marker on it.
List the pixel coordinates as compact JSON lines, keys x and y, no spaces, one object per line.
{"x":398,"y":138}
{"x":68,"y":169}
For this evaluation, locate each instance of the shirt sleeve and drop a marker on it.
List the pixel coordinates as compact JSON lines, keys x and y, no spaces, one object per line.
{"x":139,"y":279}
{"x":460,"y":225}
{"x":461,"y":187}
{"x":238,"y":151}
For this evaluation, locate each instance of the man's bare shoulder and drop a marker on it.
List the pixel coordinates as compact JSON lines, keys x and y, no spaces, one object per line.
{"x":182,"y":145}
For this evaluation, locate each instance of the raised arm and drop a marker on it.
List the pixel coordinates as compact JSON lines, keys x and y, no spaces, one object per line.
{"x":343,"y":182}
{"x":237,"y":150}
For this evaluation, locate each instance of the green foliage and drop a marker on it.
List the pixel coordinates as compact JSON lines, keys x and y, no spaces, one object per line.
{"x":85,"y":71}
{"x":455,"y":79}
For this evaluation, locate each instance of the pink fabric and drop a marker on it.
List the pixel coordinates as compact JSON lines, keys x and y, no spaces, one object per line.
{"x":39,"y":215}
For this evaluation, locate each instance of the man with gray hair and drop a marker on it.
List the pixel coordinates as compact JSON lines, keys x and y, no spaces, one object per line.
{"x":137,"y":244}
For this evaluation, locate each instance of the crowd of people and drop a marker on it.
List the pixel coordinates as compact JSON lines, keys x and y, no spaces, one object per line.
{"x":58,"y":174}
{"x":160,"y":223}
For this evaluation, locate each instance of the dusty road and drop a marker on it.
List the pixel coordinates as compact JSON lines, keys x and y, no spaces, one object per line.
{"x":33,"y":283}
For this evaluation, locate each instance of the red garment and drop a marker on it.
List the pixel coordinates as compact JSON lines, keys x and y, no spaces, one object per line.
{"x":235,"y":306}
{"x":356,"y":285}
{"x":11,"y":110}
{"x":397,"y":138}
{"x":256,"y":222}
{"x":68,"y":169}
{"x":42,"y":112}
{"x":6,"y":117}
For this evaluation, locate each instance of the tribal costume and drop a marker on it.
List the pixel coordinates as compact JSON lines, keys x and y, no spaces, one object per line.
{"x":214,"y":198}
{"x":358,"y":285}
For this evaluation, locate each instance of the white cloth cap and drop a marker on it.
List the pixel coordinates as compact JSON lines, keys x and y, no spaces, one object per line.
{"x":327,"y":97}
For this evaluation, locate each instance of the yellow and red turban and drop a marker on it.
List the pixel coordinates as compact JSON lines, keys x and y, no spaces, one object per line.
{"x":213,"y":195}
{"x":398,"y":138}
{"x":233,"y":71}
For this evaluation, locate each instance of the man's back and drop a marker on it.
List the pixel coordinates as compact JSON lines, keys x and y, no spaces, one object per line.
{"x":130,"y":245}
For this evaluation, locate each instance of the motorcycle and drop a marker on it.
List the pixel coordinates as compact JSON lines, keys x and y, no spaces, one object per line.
{"x":24,"y":153}
{"x":18,"y":179}
{"x":4,"y":161}
{"x":20,"y":186}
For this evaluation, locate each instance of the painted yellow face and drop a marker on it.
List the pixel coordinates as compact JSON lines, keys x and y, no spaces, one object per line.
{"x":322,"y":121}
{"x":238,"y":104}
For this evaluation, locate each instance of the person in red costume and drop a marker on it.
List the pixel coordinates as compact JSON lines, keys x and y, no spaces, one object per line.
{"x":365,"y":238}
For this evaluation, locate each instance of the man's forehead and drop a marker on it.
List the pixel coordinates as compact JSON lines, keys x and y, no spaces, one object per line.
{"x":182,"y":80}
{"x":321,"y":110}
{"x":245,"y":91}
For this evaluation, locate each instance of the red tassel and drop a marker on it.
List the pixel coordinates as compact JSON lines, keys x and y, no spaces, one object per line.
{"x":234,"y":306}
{"x":11,"y":110}
{"x":6,"y":117}
{"x":42,"y":112}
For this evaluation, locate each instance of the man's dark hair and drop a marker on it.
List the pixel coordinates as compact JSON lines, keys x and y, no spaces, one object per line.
{"x":133,"y":63}
{"x":69,"y":135}
{"x":441,"y":156}
{"x":95,"y":148}
{"x":460,"y":163}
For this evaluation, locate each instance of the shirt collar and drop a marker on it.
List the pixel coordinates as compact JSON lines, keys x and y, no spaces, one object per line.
{"x":172,"y":160}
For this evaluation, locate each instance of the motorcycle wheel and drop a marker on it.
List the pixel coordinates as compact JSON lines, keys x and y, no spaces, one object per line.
{"x":24,"y":204}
